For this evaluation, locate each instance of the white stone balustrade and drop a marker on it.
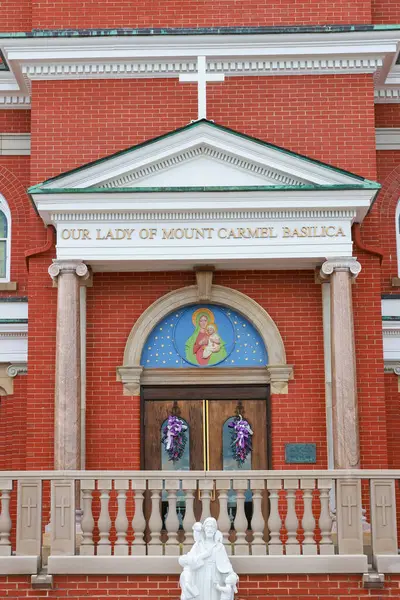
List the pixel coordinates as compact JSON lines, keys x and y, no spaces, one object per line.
{"x":271,"y":521}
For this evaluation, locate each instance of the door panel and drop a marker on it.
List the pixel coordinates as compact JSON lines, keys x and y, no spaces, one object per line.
{"x":155,"y":413}
{"x":254,"y":411}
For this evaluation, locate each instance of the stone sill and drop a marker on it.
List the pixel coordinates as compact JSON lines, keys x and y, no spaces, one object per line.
{"x":8,"y":286}
{"x":387,"y":563}
{"x":19,"y":565}
{"x":243,"y":565}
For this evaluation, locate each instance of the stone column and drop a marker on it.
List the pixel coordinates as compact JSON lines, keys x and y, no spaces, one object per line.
{"x":346,"y":449}
{"x":67,"y":430}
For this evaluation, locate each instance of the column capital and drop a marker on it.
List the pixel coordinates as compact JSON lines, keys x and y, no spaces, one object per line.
{"x":59,"y":267}
{"x":345,"y":263}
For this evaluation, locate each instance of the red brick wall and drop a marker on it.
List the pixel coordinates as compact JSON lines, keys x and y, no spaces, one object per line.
{"x":15,"y":121}
{"x":251,"y":587}
{"x":78,"y":121}
{"x":385,"y":12}
{"x":16,"y":16}
{"x":202,"y":13}
{"x":387,"y":115}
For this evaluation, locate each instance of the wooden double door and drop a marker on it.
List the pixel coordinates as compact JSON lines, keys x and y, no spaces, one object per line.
{"x":207,"y":412}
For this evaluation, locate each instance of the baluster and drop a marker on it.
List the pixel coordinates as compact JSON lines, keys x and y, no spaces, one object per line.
{"x":224,"y":521}
{"x":241,"y":546}
{"x":138,"y":521}
{"x":274,"y":521}
{"x":87,"y":523}
{"x":206,"y":486}
{"x":154,"y":547}
{"x":308,"y":521}
{"x":121,"y":522}
{"x":5,"y":519}
{"x":325,"y":520}
{"x":258,"y":545}
{"x":291,"y":521}
{"x":172,"y":521}
{"x":188,"y":486}
{"x":104,"y":523}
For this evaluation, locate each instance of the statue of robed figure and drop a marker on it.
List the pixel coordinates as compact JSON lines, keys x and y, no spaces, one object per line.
{"x":207,"y":566}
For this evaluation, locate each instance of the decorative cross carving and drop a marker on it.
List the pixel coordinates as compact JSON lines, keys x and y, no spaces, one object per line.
{"x":349,"y":506}
{"x":63,"y":506}
{"x":201,"y":78}
{"x":29,"y":506}
{"x":383,"y":506}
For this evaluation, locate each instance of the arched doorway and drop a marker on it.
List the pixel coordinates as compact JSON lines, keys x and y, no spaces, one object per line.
{"x":204,"y":354}
{"x":185,"y":427}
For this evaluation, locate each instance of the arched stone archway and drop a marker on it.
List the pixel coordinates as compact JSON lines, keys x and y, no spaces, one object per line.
{"x":277,"y":373}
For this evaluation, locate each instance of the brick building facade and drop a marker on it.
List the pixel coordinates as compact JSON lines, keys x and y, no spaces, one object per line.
{"x":264,"y":188}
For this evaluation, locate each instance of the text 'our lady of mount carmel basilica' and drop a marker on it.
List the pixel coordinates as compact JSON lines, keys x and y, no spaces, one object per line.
{"x":202,"y":233}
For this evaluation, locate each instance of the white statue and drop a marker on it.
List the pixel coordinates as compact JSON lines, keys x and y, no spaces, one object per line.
{"x":207,"y":569}
{"x":189,"y":590}
{"x":228,"y":590}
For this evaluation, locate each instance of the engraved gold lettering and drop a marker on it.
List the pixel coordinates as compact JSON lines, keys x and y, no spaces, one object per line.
{"x":286,"y":232}
{"x":340,"y":232}
{"x":330,"y":229}
{"x":65,"y":234}
{"x":109,"y":235}
{"x":222,"y":233}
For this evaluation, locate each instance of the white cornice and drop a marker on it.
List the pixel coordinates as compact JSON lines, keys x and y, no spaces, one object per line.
{"x":388,"y":139}
{"x":352,"y":201}
{"x":63,"y":58}
{"x":387,"y":95}
{"x":199,"y":215}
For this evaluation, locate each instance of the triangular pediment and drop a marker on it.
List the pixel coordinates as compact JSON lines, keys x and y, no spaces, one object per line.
{"x":202,"y":155}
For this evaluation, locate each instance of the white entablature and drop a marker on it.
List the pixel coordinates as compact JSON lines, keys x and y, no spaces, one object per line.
{"x":204,"y":194}
{"x":61,"y":55}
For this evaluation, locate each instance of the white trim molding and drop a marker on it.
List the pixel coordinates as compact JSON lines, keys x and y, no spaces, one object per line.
{"x":131,"y":56}
{"x":15,"y":144}
{"x":388,"y":138}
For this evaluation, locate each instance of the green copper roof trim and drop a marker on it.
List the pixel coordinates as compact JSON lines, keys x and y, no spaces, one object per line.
{"x":164,"y":31}
{"x":369,"y":185}
{"x":192,"y":126}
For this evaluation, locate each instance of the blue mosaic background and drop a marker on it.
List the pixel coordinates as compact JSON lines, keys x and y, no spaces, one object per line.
{"x":165,"y":346}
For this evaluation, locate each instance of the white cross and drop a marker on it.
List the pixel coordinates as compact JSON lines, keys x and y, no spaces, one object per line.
{"x":349,"y":506}
{"x":201,"y":78}
{"x":29,"y":506}
{"x":63,"y":506}
{"x":383,"y":506}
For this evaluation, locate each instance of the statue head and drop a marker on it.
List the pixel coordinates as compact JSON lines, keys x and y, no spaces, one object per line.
{"x":210,"y":528}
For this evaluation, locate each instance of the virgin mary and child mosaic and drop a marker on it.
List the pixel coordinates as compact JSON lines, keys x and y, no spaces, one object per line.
{"x":204,"y":336}
{"x":205,"y":346}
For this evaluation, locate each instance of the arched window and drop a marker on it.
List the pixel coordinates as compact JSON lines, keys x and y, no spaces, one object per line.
{"x":5,"y":240}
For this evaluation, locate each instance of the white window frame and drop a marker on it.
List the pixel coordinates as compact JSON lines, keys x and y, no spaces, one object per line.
{"x":6,"y":210}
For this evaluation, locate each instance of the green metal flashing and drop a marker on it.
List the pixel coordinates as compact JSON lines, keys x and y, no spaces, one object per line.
{"x":132,"y":149}
{"x":370,"y":185}
{"x":165,"y":31}
{"x":13,"y":320}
